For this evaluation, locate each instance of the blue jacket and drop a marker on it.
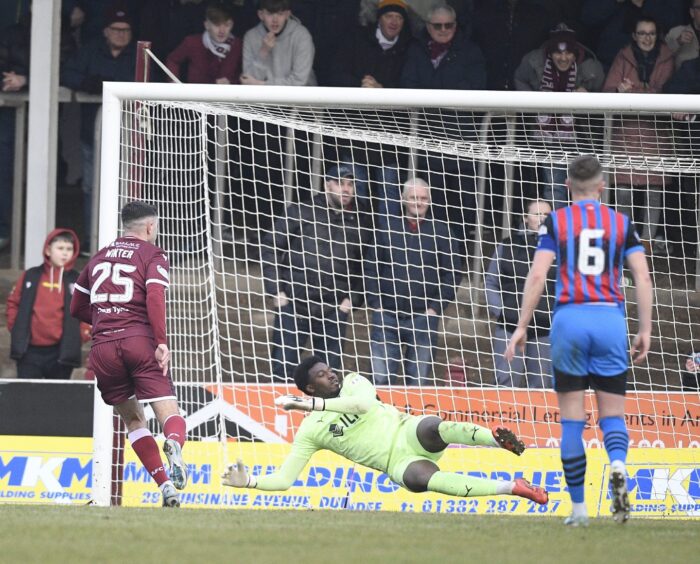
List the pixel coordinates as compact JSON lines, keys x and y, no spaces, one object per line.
{"x":410,"y":271}
{"x":462,"y":67}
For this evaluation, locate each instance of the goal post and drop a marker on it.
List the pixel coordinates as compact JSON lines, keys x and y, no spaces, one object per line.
{"x":224,"y":163}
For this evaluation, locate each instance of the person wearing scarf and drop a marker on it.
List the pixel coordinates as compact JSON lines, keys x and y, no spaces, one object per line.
{"x":560,"y":65}
{"x":373,"y":56}
{"x":559,"y":75}
{"x":213,"y":57}
{"x":643,"y":66}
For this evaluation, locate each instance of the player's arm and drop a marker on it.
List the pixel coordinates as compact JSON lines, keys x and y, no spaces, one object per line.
{"x":80,"y":302}
{"x":303,"y":448}
{"x":637,"y":264}
{"x":157,"y":282}
{"x":534,"y":286}
{"x":358,"y":397}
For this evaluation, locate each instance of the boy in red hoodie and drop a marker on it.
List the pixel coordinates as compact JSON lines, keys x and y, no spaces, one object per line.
{"x":46,"y":340}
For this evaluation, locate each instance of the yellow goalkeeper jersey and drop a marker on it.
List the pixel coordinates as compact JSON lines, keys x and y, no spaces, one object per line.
{"x":366,"y":439}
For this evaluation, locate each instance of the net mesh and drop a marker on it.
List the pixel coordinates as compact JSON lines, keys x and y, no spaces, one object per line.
{"x":224,"y":175}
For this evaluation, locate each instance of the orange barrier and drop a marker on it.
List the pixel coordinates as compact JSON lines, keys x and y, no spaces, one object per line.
{"x":658,"y":419}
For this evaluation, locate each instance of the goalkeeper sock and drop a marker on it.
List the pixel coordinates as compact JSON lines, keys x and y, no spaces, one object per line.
{"x":461,"y":485}
{"x":573,"y":457}
{"x":466,"y":434}
{"x":615,"y":438}
{"x":147,"y":450}
{"x":175,"y":428}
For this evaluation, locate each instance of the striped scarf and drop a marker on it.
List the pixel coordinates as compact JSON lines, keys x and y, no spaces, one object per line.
{"x":558,"y":126}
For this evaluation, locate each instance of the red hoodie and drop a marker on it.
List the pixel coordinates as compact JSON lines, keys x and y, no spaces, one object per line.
{"x":47,"y":313}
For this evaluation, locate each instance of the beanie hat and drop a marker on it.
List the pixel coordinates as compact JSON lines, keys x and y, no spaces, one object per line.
{"x":117,"y":14}
{"x":398,"y":6}
{"x":562,"y":39}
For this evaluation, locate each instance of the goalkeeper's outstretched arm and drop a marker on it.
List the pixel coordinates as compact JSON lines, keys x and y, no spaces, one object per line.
{"x":358,"y":397}
{"x":237,"y":476}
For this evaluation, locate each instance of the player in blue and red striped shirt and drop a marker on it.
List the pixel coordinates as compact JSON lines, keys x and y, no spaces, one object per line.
{"x":590,"y":242}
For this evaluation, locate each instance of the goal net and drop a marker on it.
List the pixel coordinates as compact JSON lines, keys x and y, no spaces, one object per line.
{"x":265,"y":248}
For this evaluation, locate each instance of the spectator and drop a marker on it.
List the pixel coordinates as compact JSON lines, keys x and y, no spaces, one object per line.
{"x":612,"y":21}
{"x":644,"y":66}
{"x":312,"y":267}
{"x":504,"y":282}
{"x":45,"y":339}
{"x":506,"y":30}
{"x":412,"y":272}
{"x":562,"y":64}
{"x":213,"y":57}
{"x":373,"y":56}
{"x":88,"y":16}
{"x":326,"y":20}
{"x":418,"y":13}
{"x":443,"y":57}
{"x":279,"y":50}
{"x":683,"y":39}
{"x":112,"y":57}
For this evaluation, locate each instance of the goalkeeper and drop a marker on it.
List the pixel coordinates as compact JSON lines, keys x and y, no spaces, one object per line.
{"x":349,"y":420}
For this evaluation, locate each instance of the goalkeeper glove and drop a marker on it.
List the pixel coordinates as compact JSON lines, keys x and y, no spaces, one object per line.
{"x":289,"y":402}
{"x":237,"y":477}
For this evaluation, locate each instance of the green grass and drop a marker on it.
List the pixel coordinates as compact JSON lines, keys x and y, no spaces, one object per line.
{"x":49,"y":534}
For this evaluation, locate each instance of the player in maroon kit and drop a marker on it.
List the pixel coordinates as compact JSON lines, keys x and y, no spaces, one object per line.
{"x":121,"y":292}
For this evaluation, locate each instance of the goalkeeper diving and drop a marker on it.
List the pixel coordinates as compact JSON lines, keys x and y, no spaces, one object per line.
{"x":348,"y":419}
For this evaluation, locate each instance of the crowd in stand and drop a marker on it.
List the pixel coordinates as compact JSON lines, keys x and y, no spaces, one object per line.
{"x":644,"y":46}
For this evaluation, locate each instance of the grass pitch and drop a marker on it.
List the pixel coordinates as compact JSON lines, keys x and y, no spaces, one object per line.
{"x":49,"y":534}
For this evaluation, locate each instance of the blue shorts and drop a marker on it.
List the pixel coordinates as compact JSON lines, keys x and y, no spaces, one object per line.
{"x":589,"y":340}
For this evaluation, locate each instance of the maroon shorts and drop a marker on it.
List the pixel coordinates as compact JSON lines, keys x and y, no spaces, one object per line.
{"x":128,"y":367}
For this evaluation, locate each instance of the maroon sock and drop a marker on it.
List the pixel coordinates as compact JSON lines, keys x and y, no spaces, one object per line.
{"x":146,"y":448}
{"x":175,"y":428}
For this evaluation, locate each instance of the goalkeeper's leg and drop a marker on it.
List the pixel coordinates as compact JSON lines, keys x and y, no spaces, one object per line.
{"x":434,"y":435}
{"x":425,"y":475}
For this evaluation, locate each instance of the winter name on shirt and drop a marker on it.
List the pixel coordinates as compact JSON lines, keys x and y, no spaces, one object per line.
{"x":119,"y":253}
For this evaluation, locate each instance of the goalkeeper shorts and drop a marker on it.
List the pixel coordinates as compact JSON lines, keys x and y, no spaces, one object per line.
{"x":408,"y":449}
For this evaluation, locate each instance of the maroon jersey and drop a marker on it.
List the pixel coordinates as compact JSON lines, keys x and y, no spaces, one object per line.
{"x":117,"y":280}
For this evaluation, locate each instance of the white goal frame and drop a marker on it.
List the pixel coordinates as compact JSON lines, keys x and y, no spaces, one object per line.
{"x":494,"y":101}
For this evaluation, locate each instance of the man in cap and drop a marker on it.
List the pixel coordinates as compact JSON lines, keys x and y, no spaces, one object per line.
{"x":108,"y":58}
{"x":312,"y":269}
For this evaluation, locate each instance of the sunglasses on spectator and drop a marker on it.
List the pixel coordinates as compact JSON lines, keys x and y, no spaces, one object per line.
{"x":119,"y":29}
{"x":439,"y":26}
{"x":645,"y":33}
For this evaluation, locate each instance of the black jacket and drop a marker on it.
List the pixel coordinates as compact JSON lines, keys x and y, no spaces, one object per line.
{"x":70,"y":345}
{"x":314,"y":255}
{"x":505,"y":281}
{"x":362,"y":55}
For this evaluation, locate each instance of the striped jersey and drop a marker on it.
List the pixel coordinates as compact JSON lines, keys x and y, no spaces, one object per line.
{"x":591,"y":242}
